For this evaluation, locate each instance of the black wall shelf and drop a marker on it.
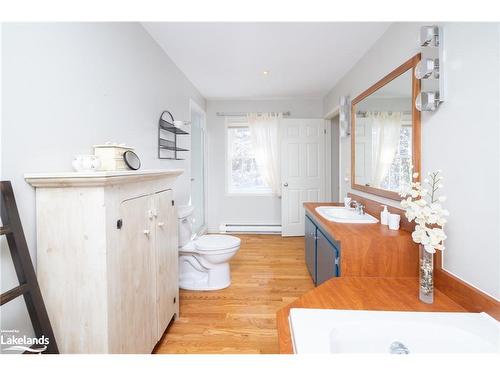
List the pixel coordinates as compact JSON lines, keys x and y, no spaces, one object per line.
{"x":169,"y":145}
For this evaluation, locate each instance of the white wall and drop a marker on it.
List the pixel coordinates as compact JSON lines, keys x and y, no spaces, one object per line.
{"x":335,"y":156}
{"x":461,"y":138}
{"x":1,"y":110}
{"x":68,"y":86}
{"x":244,"y":210}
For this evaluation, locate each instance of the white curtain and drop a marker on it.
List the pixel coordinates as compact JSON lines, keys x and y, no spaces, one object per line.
{"x":264,"y":132}
{"x":386,"y":128}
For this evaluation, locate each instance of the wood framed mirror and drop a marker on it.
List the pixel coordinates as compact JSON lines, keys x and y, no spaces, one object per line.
{"x":385,"y":133}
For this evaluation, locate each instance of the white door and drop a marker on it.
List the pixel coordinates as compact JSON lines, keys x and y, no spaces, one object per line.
{"x":137,"y":277}
{"x":198,"y":165}
{"x":363,"y":158}
{"x":302,"y":170}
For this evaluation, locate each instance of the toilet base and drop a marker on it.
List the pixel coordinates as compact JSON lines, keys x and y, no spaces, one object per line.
{"x":194,"y":276}
{"x":187,"y":285}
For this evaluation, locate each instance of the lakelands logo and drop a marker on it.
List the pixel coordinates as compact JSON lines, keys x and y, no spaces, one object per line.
{"x":23,"y":343}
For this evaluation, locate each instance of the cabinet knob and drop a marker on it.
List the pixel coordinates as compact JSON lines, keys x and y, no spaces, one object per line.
{"x":146,"y":232}
{"x":161,"y":224}
{"x":285,"y":184}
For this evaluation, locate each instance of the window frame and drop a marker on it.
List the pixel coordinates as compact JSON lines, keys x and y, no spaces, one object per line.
{"x":238,"y":122}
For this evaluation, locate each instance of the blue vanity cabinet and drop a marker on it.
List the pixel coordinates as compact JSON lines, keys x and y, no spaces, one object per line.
{"x":327,"y":259}
{"x":322,"y":253}
{"x":310,"y":247}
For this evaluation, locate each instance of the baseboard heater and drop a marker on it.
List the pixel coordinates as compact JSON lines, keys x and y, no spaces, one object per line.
{"x":250,"y":228}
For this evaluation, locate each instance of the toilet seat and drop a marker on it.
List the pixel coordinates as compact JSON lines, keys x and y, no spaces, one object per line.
{"x":216,"y":242}
{"x":212,"y":244}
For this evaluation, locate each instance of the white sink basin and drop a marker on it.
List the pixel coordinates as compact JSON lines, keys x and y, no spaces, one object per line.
{"x":360,"y":331}
{"x":344,"y":215}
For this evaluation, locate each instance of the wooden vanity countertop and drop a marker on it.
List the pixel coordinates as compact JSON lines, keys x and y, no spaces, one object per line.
{"x":371,"y":250}
{"x":362,"y":293}
{"x":345,"y":230}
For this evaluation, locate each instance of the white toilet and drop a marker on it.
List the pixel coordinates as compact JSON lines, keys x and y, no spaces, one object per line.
{"x":204,"y":260}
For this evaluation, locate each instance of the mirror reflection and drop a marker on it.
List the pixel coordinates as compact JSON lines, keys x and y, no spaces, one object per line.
{"x":383,"y":136}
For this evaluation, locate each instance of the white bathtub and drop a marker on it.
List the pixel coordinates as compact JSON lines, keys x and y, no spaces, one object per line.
{"x":360,"y":331}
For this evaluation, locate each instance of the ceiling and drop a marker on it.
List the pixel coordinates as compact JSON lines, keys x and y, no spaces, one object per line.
{"x":228,"y":60}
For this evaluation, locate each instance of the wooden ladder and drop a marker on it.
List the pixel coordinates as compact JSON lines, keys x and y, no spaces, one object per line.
{"x":28,"y":284}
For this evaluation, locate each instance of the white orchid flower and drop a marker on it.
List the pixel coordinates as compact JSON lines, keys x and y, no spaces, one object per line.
{"x":422,"y":206}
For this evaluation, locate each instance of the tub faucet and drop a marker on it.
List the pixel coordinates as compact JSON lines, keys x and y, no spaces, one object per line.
{"x":398,"y":348}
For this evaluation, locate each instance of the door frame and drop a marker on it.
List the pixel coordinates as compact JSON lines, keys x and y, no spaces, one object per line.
{"x":195,"y":107}
{"x":328,"y":154}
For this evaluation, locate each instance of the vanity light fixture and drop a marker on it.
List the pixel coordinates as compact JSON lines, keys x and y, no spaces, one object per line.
{"x":427,"y":101}
{"x":429,"y":36}
{"x":430,"y":69}
{"x":427,"y":68}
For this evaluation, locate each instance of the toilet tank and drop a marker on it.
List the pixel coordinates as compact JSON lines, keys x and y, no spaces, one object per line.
{"x":185,"y":215}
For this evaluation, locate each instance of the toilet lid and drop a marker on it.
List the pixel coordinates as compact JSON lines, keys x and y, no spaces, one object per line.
{"x":216,"y":242}
{"x":184,"y":211}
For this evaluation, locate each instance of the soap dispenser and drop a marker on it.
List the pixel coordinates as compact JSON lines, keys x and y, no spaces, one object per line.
{"x":384,"y":216}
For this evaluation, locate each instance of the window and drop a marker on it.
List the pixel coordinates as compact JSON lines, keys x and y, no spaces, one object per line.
{"x":242,"y":171}
{"x":400,"y":172}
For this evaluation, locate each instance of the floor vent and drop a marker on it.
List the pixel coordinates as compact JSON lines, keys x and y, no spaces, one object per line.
{"x":250,"y":228}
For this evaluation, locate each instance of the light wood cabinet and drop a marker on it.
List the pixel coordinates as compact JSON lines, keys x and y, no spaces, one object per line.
{"x":167,"y":290}
{"x":107,"y":258}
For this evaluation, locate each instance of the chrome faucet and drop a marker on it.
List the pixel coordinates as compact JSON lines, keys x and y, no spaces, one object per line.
{"x":398,"y":348}
{"x":360,"y":209}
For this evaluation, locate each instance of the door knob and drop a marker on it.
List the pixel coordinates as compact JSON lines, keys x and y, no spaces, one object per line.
{"x":285,"y":184}
{"x":161,"y":224}
{"x":146,"y":232}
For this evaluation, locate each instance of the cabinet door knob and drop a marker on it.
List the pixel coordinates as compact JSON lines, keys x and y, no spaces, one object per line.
{"x":161,"y":224}
{"x":285,"y":184}
{"x":146,"y":232}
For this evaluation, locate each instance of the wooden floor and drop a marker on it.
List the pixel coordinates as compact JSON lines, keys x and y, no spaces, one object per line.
{"x":267,"y":273}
